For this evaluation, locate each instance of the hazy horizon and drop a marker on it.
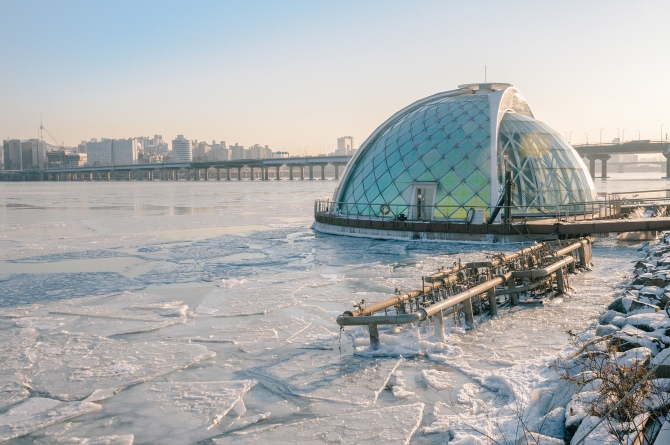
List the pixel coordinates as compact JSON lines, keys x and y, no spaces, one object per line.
{"x":300,"y":74}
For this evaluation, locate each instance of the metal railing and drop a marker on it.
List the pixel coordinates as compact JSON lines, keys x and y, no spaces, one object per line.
{"x":608,"y":206}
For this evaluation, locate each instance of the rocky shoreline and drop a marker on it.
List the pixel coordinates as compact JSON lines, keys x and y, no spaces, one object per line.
{"x":625,"y":359}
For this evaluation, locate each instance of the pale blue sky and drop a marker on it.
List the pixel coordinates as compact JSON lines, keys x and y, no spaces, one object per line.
{"x":300,"y":74}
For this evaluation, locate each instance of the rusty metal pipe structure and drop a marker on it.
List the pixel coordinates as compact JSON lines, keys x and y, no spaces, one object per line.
{"x":346,"y":320}
{"x":459,"y":298}
{"x":462,"y":274}
{"x":539,"y":273}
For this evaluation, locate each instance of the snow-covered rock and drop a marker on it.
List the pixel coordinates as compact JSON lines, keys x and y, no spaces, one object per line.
{"x":607,"y":329}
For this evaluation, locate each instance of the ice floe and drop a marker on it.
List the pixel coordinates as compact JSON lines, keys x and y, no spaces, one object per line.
{"x":37,"y":413}
{"x":72,"y":367}
{"x":391,"y":425}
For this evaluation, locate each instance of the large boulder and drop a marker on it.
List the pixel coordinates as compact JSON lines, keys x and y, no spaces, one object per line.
{"x":578,"y":409}
{"x":646,"y":321}
{"x":607,"y":317}
{"x":562,"y":394}
{"x":632,"y":306}
{"x":552,"y":424}
{"x":607,"y":329}
{"x":616,"y":306}
{"x":634,"y":358}
{"x":663,"y":357}
{"x":631,"y":337}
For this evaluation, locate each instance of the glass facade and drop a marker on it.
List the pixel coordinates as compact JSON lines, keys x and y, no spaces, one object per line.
{"x":434,"y":162}
{"x":444,"y":144}
{"x":547,"y":170}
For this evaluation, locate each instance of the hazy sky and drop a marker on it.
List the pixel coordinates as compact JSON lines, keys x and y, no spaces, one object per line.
{"x":300,"y":74}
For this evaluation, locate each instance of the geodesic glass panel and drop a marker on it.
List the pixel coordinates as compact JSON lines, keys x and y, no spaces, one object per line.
{"x":443,"y":144}
{"x":547,"y":170}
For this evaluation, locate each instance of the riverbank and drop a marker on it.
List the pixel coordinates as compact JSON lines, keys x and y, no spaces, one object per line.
{"x":615,"y":378}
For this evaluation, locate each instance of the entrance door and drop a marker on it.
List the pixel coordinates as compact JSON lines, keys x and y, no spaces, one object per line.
{"x":422,"y":201}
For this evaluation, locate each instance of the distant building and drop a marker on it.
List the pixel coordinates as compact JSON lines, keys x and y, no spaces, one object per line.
{"x":259,"y":152}
{"x":200,"y":151}
{"x":154,"y":158}
{"x":182,"y":149}
{"x":280,"y":154}
{"x":33,"y":154}
{"x":99,"y":152}
{"x":155,"y":145}
{"x":236,"y":152}
{"x":12,"y":154}
{"x":124,"y":151}
{"x":219,"y":152}
{"x":345,"y":145}
{"x":55,"y":159}
{"x":72,"y":160}
{"x":81,"y":148}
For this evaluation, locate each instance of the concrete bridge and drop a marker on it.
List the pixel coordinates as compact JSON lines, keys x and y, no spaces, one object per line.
{"x":603,"y":152}
{"x":266,"y":169}
{"x":621,"y":165}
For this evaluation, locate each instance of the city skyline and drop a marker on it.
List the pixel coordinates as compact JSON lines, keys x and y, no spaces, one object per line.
{"x":300,"y":75}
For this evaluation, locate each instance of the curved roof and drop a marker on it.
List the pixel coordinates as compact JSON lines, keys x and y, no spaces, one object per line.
{"x":449,"y":144}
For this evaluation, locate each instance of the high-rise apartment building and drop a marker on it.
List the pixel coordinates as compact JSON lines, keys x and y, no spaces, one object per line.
{"x":236,"y":152}
{"x":12,"y":154}
{"x":155,"y":145}
{"x":124,"y":151}
{"x":99,"y":152}
{"x":33,"y":154}
{"x":201,"y":151}
{"x":182,"y":150}
{"x":219,"y":152}
{"x":259,"y":152}
{"x":345,"y":146}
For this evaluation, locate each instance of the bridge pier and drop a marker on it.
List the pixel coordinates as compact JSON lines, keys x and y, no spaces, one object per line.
{"x":267,"y":173}
{"x":252,"y":172}
{"x":323,"y":172}
{"x":667,"y":165}
{"x":277,"y":176}
{"x":302,"y":172}
{"x":227,"y":174}
{"x":239,"y":173}
{"x":311,"y":172}
{"x":218,"y":174}
{"x":290,"y":172}
{"x":602,"y":157}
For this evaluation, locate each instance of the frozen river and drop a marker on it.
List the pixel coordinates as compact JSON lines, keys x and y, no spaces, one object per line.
{"x":164,"y":312}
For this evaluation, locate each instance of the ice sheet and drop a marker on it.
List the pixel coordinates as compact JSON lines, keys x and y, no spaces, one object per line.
{"x":173,"y":412}
{"x":37,"y":413}
{"x":165,"y":268}
{"x":344,"y":380}
{"x":15,"y":365}
{"x":73,"y":366}
{"x":391,"y":425}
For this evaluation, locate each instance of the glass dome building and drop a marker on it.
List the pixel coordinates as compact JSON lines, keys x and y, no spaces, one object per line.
{"x":445,"y":157}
